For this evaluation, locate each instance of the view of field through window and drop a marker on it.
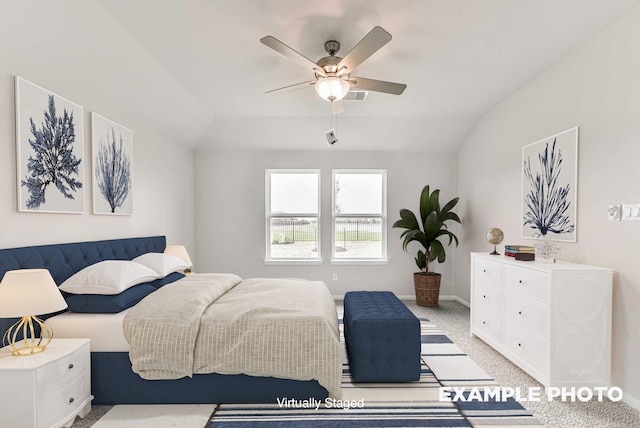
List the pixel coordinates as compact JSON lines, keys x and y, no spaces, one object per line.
{"x":358,"y":209}
{"x":294,"y":215}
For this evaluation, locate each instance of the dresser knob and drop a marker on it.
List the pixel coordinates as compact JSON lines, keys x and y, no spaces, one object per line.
{"x":520,"y":345}
{"x":520,"y":281}
{"x":70,"y":366}
{"x":484,"y":296}
{"x":484,"y":322}
{"x":71,"y":400}
{"x":519,"y":312}
{"x":484,"y":270}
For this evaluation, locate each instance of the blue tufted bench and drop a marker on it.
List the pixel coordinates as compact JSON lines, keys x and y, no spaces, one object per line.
{"x":382,"y":337}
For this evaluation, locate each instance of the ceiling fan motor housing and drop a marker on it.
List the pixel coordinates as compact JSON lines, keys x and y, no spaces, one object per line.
{"x":332,"y":47}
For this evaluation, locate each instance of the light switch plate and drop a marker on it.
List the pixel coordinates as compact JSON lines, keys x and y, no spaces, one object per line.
{"x":630,"y":212}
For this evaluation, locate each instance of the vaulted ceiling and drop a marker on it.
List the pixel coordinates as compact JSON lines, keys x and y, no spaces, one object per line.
{"x":195,"y":70}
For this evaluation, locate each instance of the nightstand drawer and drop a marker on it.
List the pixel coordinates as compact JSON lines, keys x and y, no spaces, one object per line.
{"x":59,"y":404}
{"x":59,"y":373}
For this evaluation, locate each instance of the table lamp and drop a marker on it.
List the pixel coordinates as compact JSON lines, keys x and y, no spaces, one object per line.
{"x":180,"y":252}
{"x":26,"y":293}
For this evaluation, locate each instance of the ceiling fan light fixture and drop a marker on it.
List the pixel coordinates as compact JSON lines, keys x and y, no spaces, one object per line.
{"x":332,"y":88}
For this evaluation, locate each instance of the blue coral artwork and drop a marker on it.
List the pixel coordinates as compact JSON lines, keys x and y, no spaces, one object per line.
{"x":112,"y":146}
{"x":549,"y":187}
{"x":50,"y":155}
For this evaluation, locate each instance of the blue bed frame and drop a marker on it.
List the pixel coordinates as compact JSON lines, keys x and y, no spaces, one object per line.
{"x":112,"y":380}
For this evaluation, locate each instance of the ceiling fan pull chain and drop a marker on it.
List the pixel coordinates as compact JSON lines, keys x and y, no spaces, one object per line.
{"x":334,"y":117}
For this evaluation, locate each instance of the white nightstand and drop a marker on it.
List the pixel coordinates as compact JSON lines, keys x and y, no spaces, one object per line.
{"x":46,"y":390}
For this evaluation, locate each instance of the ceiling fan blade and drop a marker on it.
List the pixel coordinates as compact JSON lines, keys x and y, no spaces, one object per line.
{"x":374,"y":40}
{"x":337,"y":107}
{"x":293,"y":87}
{"x":290,"y":53}
{"x":377,"y":85}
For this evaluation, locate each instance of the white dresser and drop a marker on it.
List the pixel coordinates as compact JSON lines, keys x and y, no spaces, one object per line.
{"x":553,"y":320}
{"x":46,"y":390}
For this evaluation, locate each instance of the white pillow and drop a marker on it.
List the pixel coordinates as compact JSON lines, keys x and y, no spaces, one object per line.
{"x":108,"y":277}
{"x":162,"y":264}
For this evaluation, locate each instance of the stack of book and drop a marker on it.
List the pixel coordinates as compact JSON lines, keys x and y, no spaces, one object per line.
{"x":512,"y":250}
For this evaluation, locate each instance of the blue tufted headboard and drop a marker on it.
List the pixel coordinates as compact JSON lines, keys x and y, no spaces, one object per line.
{"x":63,"y":260}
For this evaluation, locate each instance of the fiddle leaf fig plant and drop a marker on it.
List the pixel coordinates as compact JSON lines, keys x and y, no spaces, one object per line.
{"x":431,"y":228}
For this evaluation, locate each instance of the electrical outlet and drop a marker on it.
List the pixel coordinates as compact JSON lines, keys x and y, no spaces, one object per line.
{"x":335,"y":276}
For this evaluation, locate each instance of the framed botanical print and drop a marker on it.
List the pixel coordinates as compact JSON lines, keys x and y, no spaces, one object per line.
{"x":50,"y":151}
{"x":112,"y":148}
{"x":549,"y":187}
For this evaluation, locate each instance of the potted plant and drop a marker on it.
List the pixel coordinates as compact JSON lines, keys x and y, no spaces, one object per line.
{"x":427,"y":233}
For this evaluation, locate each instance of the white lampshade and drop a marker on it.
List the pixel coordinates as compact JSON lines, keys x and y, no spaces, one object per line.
{"x":332,"y":88}
{"x":29,"y":292}
{"x":179,"y":251}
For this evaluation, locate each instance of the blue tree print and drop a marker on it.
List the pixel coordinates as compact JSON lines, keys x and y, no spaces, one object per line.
{"x":547,"y":201}
{"x":54,"y":161}
{"x":113,"y":171}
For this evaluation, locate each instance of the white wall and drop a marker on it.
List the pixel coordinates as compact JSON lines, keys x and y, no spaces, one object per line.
{"x":230,"y":206}
{"x":162,"y":176}
{"x":596,"y":87}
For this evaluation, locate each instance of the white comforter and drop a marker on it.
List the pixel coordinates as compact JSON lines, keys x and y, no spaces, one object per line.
{"x":219,"y":323}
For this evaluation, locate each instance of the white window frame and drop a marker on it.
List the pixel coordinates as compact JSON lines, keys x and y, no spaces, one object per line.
{"x":269,"y":259}
{"x":383,"y":216}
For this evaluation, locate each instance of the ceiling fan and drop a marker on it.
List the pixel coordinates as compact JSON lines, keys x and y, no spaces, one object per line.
{"x":333,"y":78}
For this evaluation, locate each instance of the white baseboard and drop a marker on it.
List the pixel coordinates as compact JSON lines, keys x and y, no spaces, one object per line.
{"x":399,"y":296}
{"x":460,"y":300}
{"x":410,"y":297}
{"x":631,"y":401}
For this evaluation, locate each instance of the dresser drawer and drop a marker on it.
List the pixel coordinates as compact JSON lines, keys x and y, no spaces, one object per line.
{"x":488,"y":322}
{"x":61,"y":403}
{"x":488,"y":297}
{"x":488,"y":272}
{"x":525,"y":344}
{"x":527,"y":282}
{"x":526,"y":312}
{"x":62,"y":372}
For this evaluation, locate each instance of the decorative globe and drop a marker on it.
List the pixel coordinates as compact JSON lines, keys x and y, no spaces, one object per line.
{"x":495,"y":236}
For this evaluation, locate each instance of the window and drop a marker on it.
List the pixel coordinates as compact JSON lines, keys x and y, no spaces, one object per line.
{"x":359,"y":215}
{"x":292,"y":215}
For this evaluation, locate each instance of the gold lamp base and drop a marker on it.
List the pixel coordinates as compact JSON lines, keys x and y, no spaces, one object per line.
{"x":29,"y":344}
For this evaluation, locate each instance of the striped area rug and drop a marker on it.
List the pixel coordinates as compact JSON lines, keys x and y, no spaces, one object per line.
{"x":414,"y":404}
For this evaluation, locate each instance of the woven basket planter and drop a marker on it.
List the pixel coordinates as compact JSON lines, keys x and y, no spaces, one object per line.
{"x":427,"y":286}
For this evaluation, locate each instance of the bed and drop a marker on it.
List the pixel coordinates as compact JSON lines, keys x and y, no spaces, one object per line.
{"x":113,"y":378}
